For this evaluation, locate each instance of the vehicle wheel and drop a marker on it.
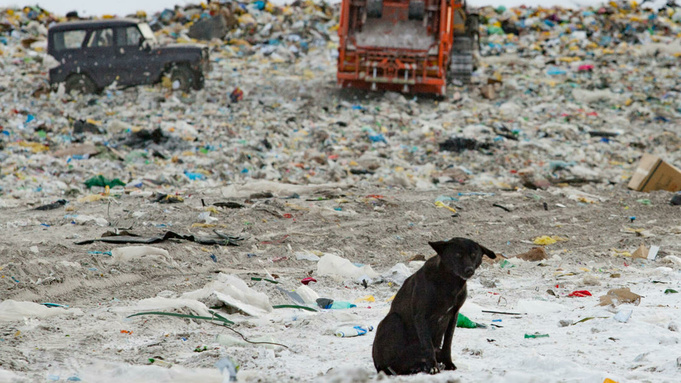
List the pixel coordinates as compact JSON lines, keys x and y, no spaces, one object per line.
{"x":375,"y":8}
{"x":80,"y":83}
{"x":200,"y":83}
{"x":181,"y":78}
{"x":417,"y":9}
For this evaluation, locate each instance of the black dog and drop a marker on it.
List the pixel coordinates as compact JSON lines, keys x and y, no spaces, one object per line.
{"x":416,"y":335}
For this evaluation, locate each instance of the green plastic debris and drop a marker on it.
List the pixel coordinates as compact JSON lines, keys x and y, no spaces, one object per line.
{"x":294,"y":307}
{"x":463,"y":322}
{"x":506,"y":264}
{"x":671,"y":291}
{"x":583,"y":320}
{"x":536,"y":335}
{"x":216,"y":317}
{"x":644,"y":201}
{"x":102,"y":181}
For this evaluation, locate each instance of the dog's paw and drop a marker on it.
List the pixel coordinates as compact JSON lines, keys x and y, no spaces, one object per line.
{"x":450,"y":366}
{"x":434,"y":370}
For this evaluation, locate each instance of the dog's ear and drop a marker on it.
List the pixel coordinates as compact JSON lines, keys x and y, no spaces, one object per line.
{"x":487,"y":251}
{"x":438,"y":246}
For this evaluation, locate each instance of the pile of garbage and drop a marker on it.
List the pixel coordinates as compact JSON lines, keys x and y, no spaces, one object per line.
{"x":560,"y":96}
{"x":600,"y":30}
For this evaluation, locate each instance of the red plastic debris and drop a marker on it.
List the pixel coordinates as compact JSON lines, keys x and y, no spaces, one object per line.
{"x":586,"y":67}
{"x":579,"y":294}
{"x":377,"y":196}
{"x":307,"y":280}
{"x":275,"y":242}
{"x":287,"y":215}
{"x":236,"y":95}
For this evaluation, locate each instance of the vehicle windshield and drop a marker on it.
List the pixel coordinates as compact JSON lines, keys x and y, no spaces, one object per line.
{"x":147,"y":33}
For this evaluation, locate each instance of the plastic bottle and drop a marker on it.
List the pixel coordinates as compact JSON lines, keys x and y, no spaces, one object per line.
{"x":228,"y":368}
{"x":341,"y":305}
{"x":350,"y":331}
{"x":536,"y":335}
{"x":464,"y":322}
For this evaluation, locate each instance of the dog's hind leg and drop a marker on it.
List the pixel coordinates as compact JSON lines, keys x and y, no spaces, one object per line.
{"x":392,"y":352}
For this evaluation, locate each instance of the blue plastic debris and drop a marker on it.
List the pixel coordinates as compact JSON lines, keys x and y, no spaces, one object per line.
{"x":55,"y":305}
{"x":94,"y":252}
{"x":194,"y":176}
{"x":377,"y":138}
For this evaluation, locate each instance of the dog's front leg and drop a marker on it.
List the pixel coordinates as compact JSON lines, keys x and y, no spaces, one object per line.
{"x":444,"y":355}
{"x":428,"y":357}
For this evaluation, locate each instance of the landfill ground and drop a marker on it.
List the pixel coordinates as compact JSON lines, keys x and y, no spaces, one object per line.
{"x":536,"y":152}
{"x":87,"y":339}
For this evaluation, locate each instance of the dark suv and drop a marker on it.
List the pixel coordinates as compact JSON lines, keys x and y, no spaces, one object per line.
{"x":93,"y":54}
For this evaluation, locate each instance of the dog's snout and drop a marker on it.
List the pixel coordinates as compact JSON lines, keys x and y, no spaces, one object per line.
{"x":468,"y":271}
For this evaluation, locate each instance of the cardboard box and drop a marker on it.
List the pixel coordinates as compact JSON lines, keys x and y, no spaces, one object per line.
{"x":655,"y":174}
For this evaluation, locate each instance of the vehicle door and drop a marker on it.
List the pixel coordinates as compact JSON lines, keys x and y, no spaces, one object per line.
{"x":101,"y":59}
{"x":132,"y":56}
{"x":66,"y":47}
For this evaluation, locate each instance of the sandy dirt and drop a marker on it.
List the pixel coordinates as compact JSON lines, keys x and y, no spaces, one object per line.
{"x":380,"y":232}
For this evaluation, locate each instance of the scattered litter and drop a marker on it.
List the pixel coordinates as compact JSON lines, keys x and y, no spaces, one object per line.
{"x":335,"y":266}
{"x":102,"y":181}
{"x":352,"y":331}
{"x":228,"y":368}
{"x":623,"y":316}
{"x":463,"y":322}
{"x":618,"y":296}
{"x":548,"y":240}
{"x":655,"y":174}
{"x":127,"y":237}
{"x":579,"y":294}
{"x":230,"y":291}
{"x":535,"y":254}
{"x":327,"y":303}
{"x":54,"y":205}
{"x":11,"y":310}
{"x":536,"y":335}
{"x":306,"y":256}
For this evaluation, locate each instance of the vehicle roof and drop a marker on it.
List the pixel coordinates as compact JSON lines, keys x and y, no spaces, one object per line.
{"x":84,"y":24}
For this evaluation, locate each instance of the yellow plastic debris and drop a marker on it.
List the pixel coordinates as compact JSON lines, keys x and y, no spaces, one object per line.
{"x":546,"y":240}
{"x":246,"y":20}
{"x":204,"y":225}
{"x":441,"y":204}
{"x":366,"y":298}
{"x":35,"y":147}
{"x":212,"y":209}
{"x":91,"y":198}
